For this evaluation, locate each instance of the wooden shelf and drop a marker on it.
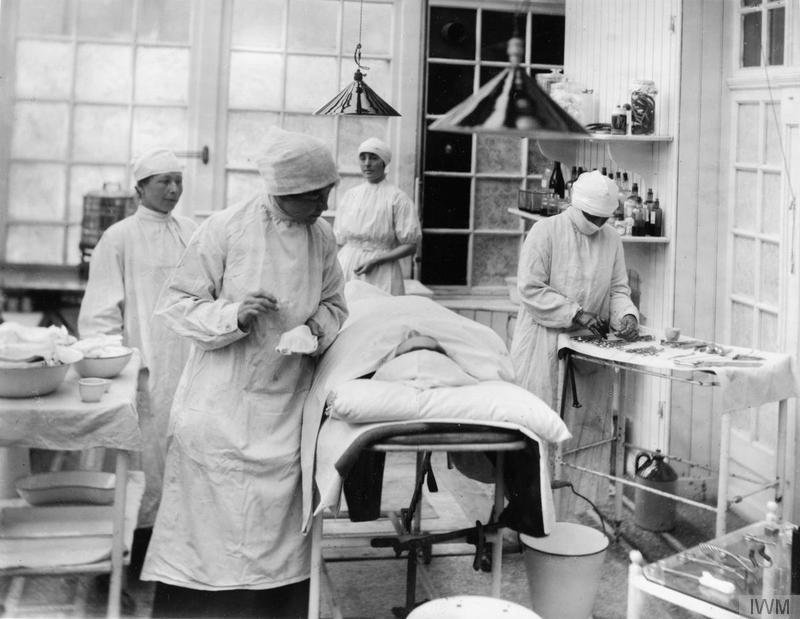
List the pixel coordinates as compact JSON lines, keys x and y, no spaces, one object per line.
{"x":647,"y":240}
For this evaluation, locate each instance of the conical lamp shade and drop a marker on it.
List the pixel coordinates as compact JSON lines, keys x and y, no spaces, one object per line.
{"x":357,"y":99}
{"x":511,"y":104}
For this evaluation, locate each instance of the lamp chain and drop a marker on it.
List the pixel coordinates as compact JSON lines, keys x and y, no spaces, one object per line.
{"x":357,"y":53}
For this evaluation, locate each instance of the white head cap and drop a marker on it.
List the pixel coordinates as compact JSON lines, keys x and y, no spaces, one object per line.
{"x":156,"y":161}
{"x":376,"y":147}
{"x":595,"y":194}
{"x":292,"y":163}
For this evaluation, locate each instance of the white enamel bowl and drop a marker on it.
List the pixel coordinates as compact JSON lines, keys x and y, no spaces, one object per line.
{"x":37,"y":381}
{"x":104,"y":367}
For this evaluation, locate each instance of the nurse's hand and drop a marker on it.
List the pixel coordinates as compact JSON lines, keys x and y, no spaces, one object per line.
{"x":591,"y":321}
{"x":365,"y":267}
{"x":629,"y":327}
{"x":252,"y":305}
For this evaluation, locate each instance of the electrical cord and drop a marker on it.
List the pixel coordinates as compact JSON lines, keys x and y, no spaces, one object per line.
{"x":557,"y":484}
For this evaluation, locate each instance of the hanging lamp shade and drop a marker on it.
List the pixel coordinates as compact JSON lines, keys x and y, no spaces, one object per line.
{"x":511,"y":104}
{"x":357,"y":99}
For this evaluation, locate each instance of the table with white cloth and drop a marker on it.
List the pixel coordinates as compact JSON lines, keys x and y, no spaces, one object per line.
{"x":745,"y":378}
{"x":73,"y":539}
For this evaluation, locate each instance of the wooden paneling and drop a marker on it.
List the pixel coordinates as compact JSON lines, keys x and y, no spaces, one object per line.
{"x":608,"y":44}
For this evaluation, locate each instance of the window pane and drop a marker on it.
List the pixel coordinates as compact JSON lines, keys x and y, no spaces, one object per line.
{"x":44,"y":17}
{"x":35,"y":244}
{"x":487,"y":73}
{"x":44,"y":70}
{"x":106,"y":19}
{"x":497,"y":153}
{"x":741,"y":325}
{"x":165,"y":20}
{"x":447,"y":86}
{"x":743,"y":267}
{"x":751,"y":40}
{"x":444,"y":259}
{"x":745,"y":204}
{"x":446,"y":203}
{"x":448,"y":152}
{"x":100,"y":134}
{"x":246,"y":131}
{"x":747,"y":149}
{"x":451,"y":33}
{"x":496,"y":28}
{"x":162,"y":75}
{"x":547,"y":39}
{"x":86,"y":178}
{"x":256,"y":81}
{"x":772,"y":151}
{"x":771,"y":203}
{"x":313,"y":25}
{"x":751,"y":3}
{"x":40,"y":130}
{"x":36,"y":191}
{"x":492,"y":198}
{"x":770,"y":274}
{"x":103,"y":73}
{"x":768,"y":332}
{"x":73,"y":244}
{"x":310,"y":82}
{"x":323,"y":127}
{"x":376,"y":28}
{"x":258,"y":23}
{"x":493,"y":259}
{"x":777,"y":19}
{"x":241,"y":186}
{"x":154,"y":127}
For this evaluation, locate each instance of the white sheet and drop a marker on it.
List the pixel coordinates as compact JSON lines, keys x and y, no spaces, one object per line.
{"x":377,"y":324}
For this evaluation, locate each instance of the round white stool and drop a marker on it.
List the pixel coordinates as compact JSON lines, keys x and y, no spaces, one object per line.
{"x":471,"y":607}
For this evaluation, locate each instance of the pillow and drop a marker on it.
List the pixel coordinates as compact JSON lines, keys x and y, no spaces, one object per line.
{"x":424,"y":369}
{"x":371,"y":401}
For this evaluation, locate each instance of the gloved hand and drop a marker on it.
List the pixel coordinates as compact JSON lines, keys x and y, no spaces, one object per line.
{"x":629,"y":327}
{"x":591,"y":321}
{"x":298,"y":340}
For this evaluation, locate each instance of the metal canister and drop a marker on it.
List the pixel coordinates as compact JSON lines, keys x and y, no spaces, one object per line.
{"x":101,"y":209}
{"x":652,"y":511}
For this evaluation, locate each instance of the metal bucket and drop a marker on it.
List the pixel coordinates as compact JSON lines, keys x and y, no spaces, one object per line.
{"x":564,"y":570}
{"x":654,"y":512}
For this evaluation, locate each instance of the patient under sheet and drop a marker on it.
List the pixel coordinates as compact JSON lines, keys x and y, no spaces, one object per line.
{"x":371,"y":384}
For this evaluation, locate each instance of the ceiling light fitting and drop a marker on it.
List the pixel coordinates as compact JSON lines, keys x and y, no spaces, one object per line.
{"x":357,"y":98}
{"x":511,"y":104}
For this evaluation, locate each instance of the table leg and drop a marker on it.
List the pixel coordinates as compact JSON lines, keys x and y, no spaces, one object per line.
{"x":118,"y":539}
{"x":784,"y":502}
{"x":618,"y":446}
{"x":314,"y":586}
{"x":15,"y":462}
{"x":724,"y":463}
{"x":636,"y":596}
{"x":497,"y":548}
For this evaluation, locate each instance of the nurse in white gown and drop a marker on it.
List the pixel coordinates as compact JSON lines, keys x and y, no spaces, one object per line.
{"x":228,"y":538}
{"x":376,"y":224}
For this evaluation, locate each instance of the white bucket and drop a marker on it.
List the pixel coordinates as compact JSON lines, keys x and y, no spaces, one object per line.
{"x":471,"y":607}
{"x":564,"y":570}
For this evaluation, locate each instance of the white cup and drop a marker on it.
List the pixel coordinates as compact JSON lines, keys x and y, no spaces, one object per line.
{"x":92,"y":389}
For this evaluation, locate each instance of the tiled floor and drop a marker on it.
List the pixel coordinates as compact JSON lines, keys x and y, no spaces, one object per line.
{"x":371,"y":582}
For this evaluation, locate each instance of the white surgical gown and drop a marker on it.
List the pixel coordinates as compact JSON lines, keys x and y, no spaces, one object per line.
{"x":566,"y":263}
{"x":230,"y":515}
{"x":371,"y":219}
{"x":129,"y":266}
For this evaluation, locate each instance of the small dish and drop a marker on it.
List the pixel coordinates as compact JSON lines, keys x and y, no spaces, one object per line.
{"x":94,"y":487}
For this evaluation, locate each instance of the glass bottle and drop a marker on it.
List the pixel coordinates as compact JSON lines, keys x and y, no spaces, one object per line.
{"x":632,"y":203}
{"x":643,"y":107}
{"x":656,"y":220}
{"x":647,"y":206}
{"x":556,"y":183}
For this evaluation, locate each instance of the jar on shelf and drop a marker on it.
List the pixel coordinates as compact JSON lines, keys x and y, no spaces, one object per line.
{"x":643,"y":107}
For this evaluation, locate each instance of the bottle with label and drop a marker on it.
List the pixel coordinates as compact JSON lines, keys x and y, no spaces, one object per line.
{"x":632,"y":203}
{"x":656,"y":220}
